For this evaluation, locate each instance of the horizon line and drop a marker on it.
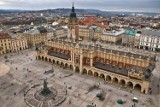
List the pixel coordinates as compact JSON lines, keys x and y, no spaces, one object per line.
{"x":103,"y":10}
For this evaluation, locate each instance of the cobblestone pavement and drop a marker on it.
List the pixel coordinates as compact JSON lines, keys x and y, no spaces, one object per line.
{"x":26,"y":71}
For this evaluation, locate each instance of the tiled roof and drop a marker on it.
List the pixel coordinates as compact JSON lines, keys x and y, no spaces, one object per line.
{"x":93,"y":21}
{"x":59,"y":55}
{"x":4,"y":35}
{"x":129,"y":54}
{"x":33,"y":32}
{"x":130,"y":32}
{"x":110,"y":68}
{"x":42,"y":29}
{"x":114,"y":33}
{"x":151,"y":32}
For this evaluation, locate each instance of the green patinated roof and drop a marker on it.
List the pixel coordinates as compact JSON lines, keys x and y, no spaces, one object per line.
{"x":130,"y":32}
{"x":89,"y":105}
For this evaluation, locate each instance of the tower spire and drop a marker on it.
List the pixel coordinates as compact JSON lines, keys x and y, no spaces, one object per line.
{"x":73,"y":10}
{"x":73,"y":3}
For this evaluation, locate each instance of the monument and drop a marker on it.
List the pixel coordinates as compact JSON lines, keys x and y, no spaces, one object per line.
{"x":45,"y":96}
{"x":46,"y":92}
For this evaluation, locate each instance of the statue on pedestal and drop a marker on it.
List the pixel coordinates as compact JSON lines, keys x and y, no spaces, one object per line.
{"x":45,"y":91}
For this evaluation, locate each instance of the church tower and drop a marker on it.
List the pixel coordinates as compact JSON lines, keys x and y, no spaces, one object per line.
{"x":73,"y":27}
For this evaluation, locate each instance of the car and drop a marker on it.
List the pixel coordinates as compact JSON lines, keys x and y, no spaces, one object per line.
{"x":135,"y":99}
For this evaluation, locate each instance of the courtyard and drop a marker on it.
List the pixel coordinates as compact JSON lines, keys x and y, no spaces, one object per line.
{"x":24,"y":71}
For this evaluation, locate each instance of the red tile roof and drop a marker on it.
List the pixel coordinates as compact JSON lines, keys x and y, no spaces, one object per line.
{"x":93,"y":21}
{"x":4,"y":35}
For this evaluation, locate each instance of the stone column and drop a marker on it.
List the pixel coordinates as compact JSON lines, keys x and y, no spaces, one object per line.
{"x":72,"y":54}
{"x":81,"y":61}
{"x":72,"y":58}
{"x":154,"y":49}
{"x":133,"y":86}
{"x":91,"y":58}
{"x":143,"y":47}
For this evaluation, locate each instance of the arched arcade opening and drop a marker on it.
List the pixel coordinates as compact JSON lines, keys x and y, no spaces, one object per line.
{"x":130,"y":85}
{"x":108,"y":78}
{"x":90,"y":72}
{"x":96,"y":74}
{"x":115,"y":80}
{"x":137,"y":87}
{"x":102,"y":76}
{"x":84,"y":71}
{"x":77,"y":69}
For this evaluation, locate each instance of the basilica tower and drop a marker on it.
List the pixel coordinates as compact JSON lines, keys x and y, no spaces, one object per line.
{"x":73,"y":26}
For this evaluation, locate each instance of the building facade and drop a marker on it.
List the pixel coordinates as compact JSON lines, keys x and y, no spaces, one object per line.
{"x":36,"y":37}
{"x":18,"y":42}
{"x":5,"y":43}
{"x":60,"y":32}
{"x":90,"y":32}
{"x":128,"y":38}
{"x":150,"y":40}
{"x":127,"y":70}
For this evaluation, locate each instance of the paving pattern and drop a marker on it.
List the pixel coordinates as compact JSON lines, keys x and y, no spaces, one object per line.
{"x":33,"y":98}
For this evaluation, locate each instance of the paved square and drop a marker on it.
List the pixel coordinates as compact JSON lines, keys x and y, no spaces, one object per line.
{"x":25,"y":71}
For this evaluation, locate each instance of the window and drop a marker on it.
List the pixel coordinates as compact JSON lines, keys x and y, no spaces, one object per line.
{"x":87,"y":61}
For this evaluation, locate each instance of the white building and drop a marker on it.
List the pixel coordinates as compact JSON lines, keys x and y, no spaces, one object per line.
{"x":150,"y":40}
{"x":112,"y":36}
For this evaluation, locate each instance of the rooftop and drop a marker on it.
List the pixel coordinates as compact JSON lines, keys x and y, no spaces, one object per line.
{"x":110,"y":68}
{"x":151,"y":32}
{"x":33,"y":32}
{"x":16,"y":36}
{"x":99,"y":48}
{"x":114,"y":32}
{"x":42,"y":29}
{"x":4,"y":35}
{"x":130,"y":32}
{"x":59,"y":55}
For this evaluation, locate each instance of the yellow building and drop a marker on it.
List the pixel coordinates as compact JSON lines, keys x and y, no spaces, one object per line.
{"x":60,"y":32}
{"x":123,"y":69}
{"x":84,"y":32}
{"x":5,"y":43}
{"x":132,"y":71}
{"x":90,"y":32}
{"x":1,"y":48}
{"x":36,"y":37}
{"x":18,"y":42}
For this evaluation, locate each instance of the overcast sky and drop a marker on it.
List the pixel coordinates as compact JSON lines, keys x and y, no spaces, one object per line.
{"x":111,"y":5}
